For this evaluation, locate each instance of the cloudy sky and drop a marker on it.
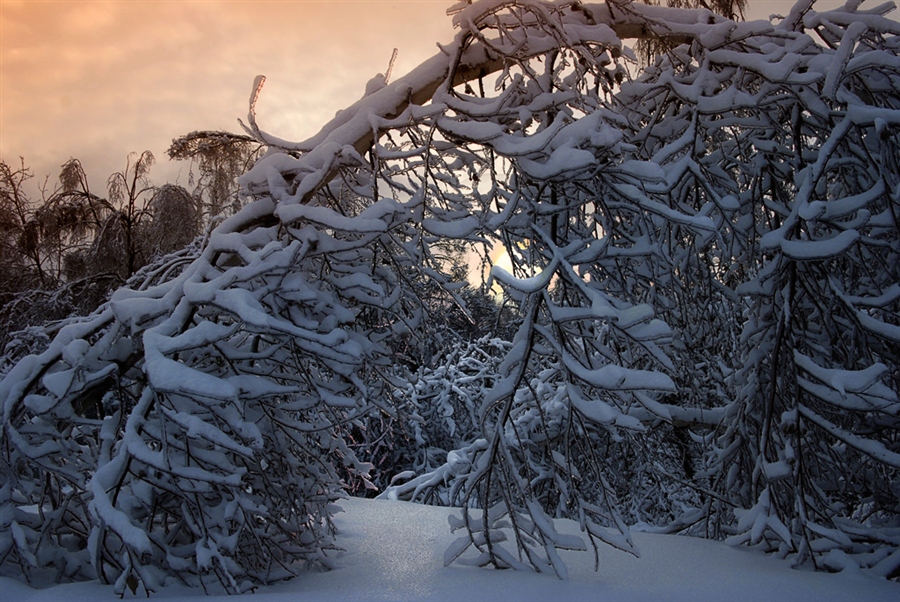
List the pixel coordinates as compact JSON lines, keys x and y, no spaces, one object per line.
{"x":98,"y":79}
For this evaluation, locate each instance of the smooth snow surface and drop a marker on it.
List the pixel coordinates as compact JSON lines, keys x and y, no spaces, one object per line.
{"x":394,"y":551}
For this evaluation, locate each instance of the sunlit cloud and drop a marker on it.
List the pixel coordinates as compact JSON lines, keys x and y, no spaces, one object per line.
{"x":97,"y":80}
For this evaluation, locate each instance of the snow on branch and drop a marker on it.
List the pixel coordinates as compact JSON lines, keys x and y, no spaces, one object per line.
{"x":702,"y":264}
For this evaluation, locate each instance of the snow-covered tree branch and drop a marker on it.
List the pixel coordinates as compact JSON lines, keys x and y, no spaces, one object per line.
{"x":704,"y":267}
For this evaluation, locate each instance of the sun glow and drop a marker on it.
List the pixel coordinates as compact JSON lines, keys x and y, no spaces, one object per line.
{"x":500,"y":259}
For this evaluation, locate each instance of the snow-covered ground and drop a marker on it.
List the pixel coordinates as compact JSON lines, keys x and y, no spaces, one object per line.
{"x":394,"y":551}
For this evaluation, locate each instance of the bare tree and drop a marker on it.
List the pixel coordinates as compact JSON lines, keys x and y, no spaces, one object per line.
{"x":221,"y":157}
{"x":64,"y":252}
{"x":23,"y":261}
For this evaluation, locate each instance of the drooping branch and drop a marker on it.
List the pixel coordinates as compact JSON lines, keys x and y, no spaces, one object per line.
{"x":470,"y":57}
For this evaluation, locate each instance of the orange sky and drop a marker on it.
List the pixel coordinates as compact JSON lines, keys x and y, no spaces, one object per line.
{"x":99,"y":79}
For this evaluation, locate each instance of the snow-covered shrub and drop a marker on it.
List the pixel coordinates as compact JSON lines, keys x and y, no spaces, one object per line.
{"x":197,"y":439}
{"x":439,"y":408}
{"x":439,"y":376}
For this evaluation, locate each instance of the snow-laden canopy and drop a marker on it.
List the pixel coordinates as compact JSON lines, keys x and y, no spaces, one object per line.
{"x":705,"y":254}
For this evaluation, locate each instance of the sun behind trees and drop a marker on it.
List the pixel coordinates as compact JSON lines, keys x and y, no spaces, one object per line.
{"x":704,"y":272}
